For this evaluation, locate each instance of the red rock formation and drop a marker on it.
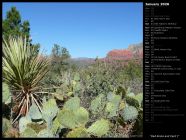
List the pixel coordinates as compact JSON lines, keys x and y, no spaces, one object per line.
{"x":133,"y":51}
{"x":120,"y":54}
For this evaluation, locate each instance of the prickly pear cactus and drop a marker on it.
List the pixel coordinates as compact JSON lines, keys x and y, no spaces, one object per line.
{"x":72,"y":104}
{"x":122,"y":105}
{"x":79,"y":132}
{"x":99,"y":128}
{"x":139,"y":98}
{"x":135,"y":100}
{"x":129,"y":113}
{"x":58,"y":96}
{"x":49,"y":111}
{"x":45,"y":133}
{"x":96,"y":104}
{"x":132,"y":101}
{"x":121,"y":91}
{"x":113,"y":105}
{"x":55,"y":126}
{"x":66,"y":118}
{"x":116,"y":99}
{"x":23,"y":123}
{"x":110,"y":96}
{"x":34,"y":112}
{"x":28,"y":133}
{"x":36,"y":127}
{"x":82,"y":116}
{"x":71,"y":119}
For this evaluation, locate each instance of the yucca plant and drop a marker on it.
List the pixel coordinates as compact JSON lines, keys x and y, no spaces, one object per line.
{"x":22,"y":71}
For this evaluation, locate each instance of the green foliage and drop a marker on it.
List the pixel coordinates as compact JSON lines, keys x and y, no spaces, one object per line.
{"x":121,"y":91}
{"x":76,"y":86}
{"x":98,"y":79}
{"x":6,"y":125}
{"x":99,"y":128}
{"x":58,"y":66}
{"x":138,"y":127}
{"x":133,"y":70}
{"x":76,"y":77}
{"x":6,"y":94}
{"x":59,"y":56}
{"x":130,"y":113}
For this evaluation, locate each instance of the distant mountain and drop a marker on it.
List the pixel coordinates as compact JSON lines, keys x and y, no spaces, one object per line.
{"x":82,"y":61}
{"x":134,"y":51}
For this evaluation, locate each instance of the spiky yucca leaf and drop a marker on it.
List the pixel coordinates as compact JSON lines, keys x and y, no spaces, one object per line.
{"x":22,"y":71}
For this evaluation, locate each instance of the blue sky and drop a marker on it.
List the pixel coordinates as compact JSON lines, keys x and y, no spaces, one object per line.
{"x":85,"y":29}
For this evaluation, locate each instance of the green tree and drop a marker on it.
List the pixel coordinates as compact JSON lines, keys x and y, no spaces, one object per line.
{"x":26,"y":30}
{"x":64,"y":53}
{"x":59,"y":56}
{"x":12,"y":23}
{"x":14,"y":27}
{"x":56,"y":52}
